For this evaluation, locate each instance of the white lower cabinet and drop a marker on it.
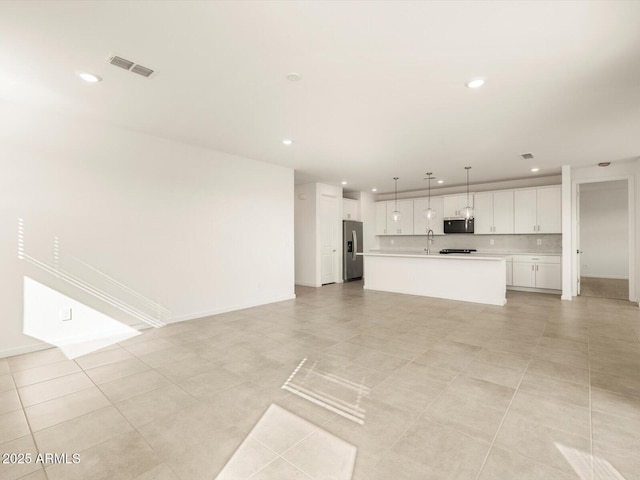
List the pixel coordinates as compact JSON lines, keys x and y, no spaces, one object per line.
{"x":541,"y":271}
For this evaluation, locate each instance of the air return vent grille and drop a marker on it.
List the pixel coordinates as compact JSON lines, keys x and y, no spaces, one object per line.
{"x":121,"y":62}
{"x":527,"y":156}
{"x":131,"y":66}
{"x":140,"y":70}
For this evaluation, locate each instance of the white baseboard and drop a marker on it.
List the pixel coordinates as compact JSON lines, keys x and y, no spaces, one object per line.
{"x":303,"y":284}
{"x":36,"y":347}
{"x":233,"y":308}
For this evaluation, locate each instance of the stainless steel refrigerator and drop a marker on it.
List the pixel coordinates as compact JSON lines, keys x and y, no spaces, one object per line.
{"x":351,"y":244}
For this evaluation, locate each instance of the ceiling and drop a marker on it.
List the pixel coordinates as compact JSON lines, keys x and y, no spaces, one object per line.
{"x":383,"y":83}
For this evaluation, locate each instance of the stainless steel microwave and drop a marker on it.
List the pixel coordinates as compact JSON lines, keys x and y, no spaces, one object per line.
{"x":458,"y":226}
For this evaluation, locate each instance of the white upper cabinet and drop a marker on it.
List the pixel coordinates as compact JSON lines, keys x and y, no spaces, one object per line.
{"x":420,"y":224}
{"x":526,"y":216}
{"x":549,"y":203}
{"x":503,"y":205}
{"x":493,"y":212}
{"x":350,"y":209}
{"x":538,"y":210}
{"x":483,"y":213}
{"x":453,"y":204}
{"x":381,"y":218}
{"x":404,"y":226}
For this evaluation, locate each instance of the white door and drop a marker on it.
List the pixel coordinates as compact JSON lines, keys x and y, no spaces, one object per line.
{"x":329,"y":225}
{"x":548,"y":275}
{"x":549,"y":206}
{"x":524,"y":274}
{"x":502,"y":212}
{"x":525,"y":218}
{"x":381,"y":218}
{"x":483,"y":213}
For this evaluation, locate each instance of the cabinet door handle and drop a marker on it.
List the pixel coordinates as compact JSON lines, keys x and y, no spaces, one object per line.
{"x":532,"y":267}
{"x":536,"y":268}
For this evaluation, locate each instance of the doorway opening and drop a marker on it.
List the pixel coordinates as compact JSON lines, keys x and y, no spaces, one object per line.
{"x":604,"y":240}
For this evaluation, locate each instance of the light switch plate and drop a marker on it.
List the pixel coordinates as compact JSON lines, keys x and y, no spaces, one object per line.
{"x":492,"y":241}
{"x":539,"y":241}
{"x":66,"y":314}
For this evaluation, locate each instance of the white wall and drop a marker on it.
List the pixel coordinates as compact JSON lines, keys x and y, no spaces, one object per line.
{"x":604,"y":232}
{"x":196,"y":230}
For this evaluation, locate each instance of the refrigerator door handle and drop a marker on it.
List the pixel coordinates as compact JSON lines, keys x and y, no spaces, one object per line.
{"x":355,"y":244}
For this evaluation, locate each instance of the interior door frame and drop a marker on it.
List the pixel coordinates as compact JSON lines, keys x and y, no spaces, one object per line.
{"x":575,"y":234}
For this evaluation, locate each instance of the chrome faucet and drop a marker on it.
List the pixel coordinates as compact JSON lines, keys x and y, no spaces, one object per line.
{"x":430,"y":239}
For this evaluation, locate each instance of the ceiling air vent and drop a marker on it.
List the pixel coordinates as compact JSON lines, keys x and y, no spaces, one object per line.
{"x":131,"y":66}
{"x":140,"y":70}
{"x":526,"y":156}
{"x":121,"y":62}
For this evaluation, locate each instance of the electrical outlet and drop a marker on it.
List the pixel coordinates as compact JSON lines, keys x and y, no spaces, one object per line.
{"x":492,"y":241}
{"x":539,"y":241}
{"x":66,"y":314}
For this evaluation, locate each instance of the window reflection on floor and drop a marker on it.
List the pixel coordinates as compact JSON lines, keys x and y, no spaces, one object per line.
{"x":283,"y":445}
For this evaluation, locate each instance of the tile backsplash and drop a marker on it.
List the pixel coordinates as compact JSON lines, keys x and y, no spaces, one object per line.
{"x":482,"y":243}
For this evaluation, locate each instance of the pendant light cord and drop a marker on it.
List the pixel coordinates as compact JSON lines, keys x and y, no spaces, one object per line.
{"x":396,"y":189}
{"x":467,"y":169}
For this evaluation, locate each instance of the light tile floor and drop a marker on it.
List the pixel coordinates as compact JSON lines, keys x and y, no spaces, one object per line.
{"x":538,"y":389}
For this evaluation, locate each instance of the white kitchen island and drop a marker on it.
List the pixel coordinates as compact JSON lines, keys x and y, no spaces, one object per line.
{"x":469,"y":278}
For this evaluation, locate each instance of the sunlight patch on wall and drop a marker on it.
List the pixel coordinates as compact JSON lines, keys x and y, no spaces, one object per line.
{"x":60,"y":320}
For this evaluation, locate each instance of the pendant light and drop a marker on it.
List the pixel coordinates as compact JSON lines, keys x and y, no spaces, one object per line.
{"x":396,"y":215}
{"x":467,"y":212}
{"x":429,"y":213}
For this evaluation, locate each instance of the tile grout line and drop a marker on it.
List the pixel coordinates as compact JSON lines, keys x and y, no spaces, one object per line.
{"x":419,"y":416}
{"x":24,"y":412}
{"x":504,"y":417}
{"x":135,"y":429}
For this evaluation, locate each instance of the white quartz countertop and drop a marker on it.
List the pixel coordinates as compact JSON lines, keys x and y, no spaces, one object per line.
{"x":439,"y":256}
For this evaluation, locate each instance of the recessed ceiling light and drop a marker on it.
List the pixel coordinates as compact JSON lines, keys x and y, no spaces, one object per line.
{"x":604,"y":164}
{"x":287,"y":141}
{"x":293,"y":77}
{"x":374,"y":189}
{"x":440,"y":181}
{"x":535,"y":169}
{"x":475,"y":83}
{"x":344,"y":182}
{"x":89,"y":77}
